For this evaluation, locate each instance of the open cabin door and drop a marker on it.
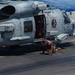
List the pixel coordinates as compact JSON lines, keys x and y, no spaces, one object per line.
{"x":40,"y":25}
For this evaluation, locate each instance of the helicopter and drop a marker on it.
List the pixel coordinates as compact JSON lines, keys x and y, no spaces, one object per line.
{"x":23,"y":22}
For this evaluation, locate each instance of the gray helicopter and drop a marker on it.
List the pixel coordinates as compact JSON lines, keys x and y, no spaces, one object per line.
{"x":23,"y":22}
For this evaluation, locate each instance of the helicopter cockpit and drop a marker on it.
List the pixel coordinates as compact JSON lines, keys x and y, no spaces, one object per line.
{"x":66,"y":18}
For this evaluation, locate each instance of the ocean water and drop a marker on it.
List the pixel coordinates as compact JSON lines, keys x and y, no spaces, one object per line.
{"x":67,"y":5}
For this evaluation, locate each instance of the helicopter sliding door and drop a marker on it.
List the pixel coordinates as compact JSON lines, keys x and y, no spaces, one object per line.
{"x":40,"y":26}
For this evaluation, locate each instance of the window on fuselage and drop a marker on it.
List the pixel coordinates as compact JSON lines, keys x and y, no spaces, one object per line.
{"x":28,"y":26}
{"x":66,"y":18}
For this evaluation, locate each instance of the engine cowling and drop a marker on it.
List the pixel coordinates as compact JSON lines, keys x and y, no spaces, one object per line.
{"x":24,"y":8}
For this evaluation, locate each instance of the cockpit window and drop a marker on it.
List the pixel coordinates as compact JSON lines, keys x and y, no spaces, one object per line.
{"x":66,"y":18}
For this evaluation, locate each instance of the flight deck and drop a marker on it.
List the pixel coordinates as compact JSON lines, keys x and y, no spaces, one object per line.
{"x":29,"y":60}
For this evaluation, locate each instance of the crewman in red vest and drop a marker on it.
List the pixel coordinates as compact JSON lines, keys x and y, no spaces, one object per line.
{"x":48,"y":46}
